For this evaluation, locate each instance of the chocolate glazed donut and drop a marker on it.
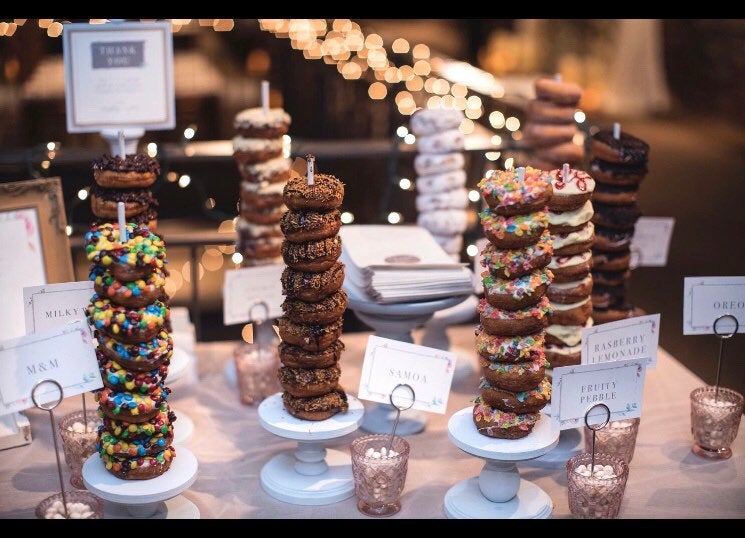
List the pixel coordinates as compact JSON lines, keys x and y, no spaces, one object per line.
{"x":312,"y":286}
{"x":313,"y":256}
{"x":302,"y":226}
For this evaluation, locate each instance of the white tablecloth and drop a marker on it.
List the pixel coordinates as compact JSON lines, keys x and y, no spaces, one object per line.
{"x":666,"y":480}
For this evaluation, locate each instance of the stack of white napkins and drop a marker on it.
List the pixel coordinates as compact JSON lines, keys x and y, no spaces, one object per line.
{"x":399,"y":264}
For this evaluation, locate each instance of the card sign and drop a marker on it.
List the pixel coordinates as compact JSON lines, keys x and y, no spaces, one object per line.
{"x":651,"y":242}
{"x":388,"y":363}
{"x":243,"y":287}
{"x":53,"y":305}
{"x":617,"y":384}
{"x":707,"y":298}
{"x":634,"y":338}
{"x":64,"y":354}
{"x":119,"y":76}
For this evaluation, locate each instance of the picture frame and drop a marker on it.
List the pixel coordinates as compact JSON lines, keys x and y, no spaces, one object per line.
{"x":36,"y":250}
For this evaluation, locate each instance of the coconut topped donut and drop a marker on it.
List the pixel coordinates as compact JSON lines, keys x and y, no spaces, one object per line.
{"x":505,"y":192}
{"x":253,"y":122}
{"x":326,"y":193}
{"x":142,"y":250}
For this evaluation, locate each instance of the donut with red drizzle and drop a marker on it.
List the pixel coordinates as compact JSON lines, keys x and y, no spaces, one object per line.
{"x":570,"y":192}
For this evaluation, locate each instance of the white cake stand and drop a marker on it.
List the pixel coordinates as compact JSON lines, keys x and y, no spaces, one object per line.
{"x":181,"y":362}
{"x":499,"y":492}
{"x":312,"y":475}
{"x":396,"y":321}
{"x":155,"y":498}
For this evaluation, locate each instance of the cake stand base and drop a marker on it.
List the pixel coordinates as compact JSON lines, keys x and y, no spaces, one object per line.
{"x":229,"y":372}
{"x":465,"y":501}
{"x":710,"y":454}
{"x":183,"y":428}
{"x":280,"y":479}
{"x":177,"y":508}
{"x":142,"y":498}
{"x":312,"y":475}
{"x":379,"y":419}
{"x":499,"y":491}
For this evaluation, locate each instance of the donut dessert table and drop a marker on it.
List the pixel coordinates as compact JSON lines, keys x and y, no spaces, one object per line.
{"x":499,"y":492}
{"x":396,"y":322}
{"x":156,"y":498}
{"x":312,"y":475}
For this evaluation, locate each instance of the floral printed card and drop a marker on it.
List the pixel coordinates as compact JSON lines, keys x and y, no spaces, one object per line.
{"x":617,"y":384}
{"x":634,"y":338}
{"x":427,"y":370}
{"x":705,"y":299}
{"x":63,"y":354}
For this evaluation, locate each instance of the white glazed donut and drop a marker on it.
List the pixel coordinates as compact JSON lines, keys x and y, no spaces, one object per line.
{"x":427,"y":122}
{"x":444,"y":142}
{"x":441,"y":182}
{"x":450,"y":243}
{"x":455,"y":199}
{"x":444,"y":221}
{"x":434,"y":163}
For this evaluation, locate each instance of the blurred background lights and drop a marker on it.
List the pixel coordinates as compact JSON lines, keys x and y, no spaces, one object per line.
{"x":184,"y":181}
{"x":472,"y":250}
{"x":394,"y":217}
{"x":347,"y":217}
{"x":404,"y":183}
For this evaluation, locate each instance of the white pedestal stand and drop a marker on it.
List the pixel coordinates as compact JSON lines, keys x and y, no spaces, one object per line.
{"x":499,"y":492}
{"x":435,"y":335}
{"x":156,"y":498}
{"x":396,"y":321}
{"x":181,"y":363}
{"x":312,"y":475}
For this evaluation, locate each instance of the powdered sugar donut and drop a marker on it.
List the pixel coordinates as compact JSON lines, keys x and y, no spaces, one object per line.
{"x":452,"y":244}
{"x":444,"y":221}
{"x":430,"y":121}
{"x":444,"y":142}
{"x":438,"y":163}
{"x":441,"y":182}
{"x":455,"y":199}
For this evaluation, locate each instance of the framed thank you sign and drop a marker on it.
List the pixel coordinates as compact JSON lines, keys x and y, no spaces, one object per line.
{"x":119,"y":76}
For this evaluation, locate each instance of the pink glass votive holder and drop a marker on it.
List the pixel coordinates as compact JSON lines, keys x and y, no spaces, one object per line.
{"x":597,"y":496}
{"x":78,"y":442}
{"x":618,"y":438}
{"x":80,"y":505}
{"x":715,"y":419}
{"x":379,"y":478}
{"x":256,"y":370}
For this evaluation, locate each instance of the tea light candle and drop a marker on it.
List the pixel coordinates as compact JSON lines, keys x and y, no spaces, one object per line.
{"x":76,"y":511}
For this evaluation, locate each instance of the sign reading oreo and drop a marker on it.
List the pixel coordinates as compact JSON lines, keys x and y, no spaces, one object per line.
{"x":108,"y":55}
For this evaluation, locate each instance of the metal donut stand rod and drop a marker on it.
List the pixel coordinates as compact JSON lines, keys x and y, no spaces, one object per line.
{"x":722,"y":337}
{"x":595,"y":428}
{"x":49,"y":407}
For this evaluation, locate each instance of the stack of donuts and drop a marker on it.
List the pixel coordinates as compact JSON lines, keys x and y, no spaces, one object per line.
{"x":441,"y":195}
{"x":550,"y":125}
{"x":257,"y":149}
{"x":130,"y":316}
{"x":315,"y":303}
{"x":126,"y":180}
{"x":569,"y":220}
{"x":618,"y":165}
{"x":514,"y":311}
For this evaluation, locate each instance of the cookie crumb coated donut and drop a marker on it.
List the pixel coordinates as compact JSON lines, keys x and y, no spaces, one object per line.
{"x":326,"y":193}
{"x":132,"y":171}
{"x":326,"y":310}
{"x":309,"y":336}
{"x":312,"y":256}
{"x":317,"y":407}
{"x":297,"y":357}
{"x":304,"y":225}
{"x":492,"y":422}
{"x":308,"y":382}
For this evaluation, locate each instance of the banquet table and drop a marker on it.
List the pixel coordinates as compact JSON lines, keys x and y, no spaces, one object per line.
{"x":666,"y":479}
